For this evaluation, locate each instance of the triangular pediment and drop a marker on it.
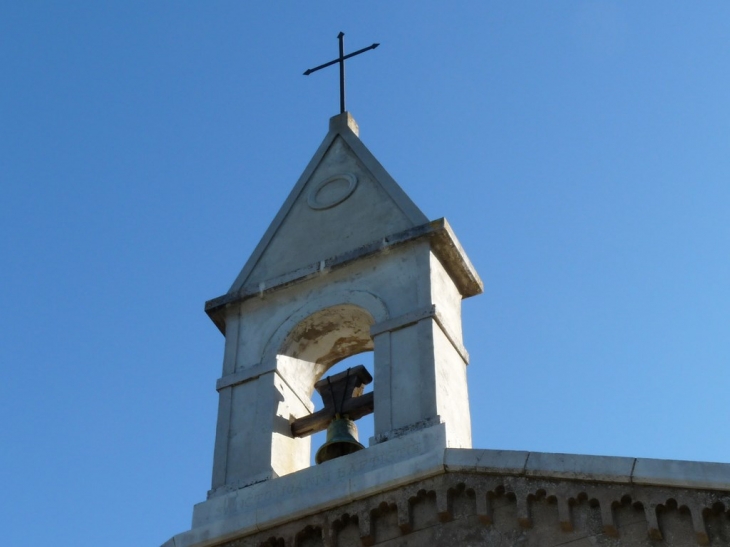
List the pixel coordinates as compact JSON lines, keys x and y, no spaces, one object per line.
{"x":343,"y":200}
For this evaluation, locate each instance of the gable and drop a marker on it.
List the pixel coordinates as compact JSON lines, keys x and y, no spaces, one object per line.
{"x":343,"y":200}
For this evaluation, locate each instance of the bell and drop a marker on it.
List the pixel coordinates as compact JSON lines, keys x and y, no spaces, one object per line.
{"x":341,"y":440}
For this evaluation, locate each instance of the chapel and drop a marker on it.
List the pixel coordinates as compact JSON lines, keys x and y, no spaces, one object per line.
{"x":350,"y":264}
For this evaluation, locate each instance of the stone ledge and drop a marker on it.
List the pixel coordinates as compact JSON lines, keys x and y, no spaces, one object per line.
{"x":244,"y":375}
{"x":577,"y":467}
{"x":679,"y":473}
{"x":511,"y":462}
{"x":427,"y":312}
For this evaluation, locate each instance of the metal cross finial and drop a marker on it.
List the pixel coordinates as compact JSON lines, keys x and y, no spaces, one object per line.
{"x":341,"y":61}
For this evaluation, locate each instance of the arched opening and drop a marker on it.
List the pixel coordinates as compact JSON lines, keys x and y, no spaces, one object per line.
{"x":325,"y":338}
{"x":324,"y":343}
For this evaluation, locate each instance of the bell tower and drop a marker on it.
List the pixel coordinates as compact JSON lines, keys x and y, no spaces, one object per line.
{"x":349,"y":264}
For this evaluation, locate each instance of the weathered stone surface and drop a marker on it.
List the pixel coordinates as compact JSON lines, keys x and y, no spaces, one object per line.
{"x":572,"y":466}
{"x":469,"y":497}
{"x":447,"y":510}
{"x":715,"y":476}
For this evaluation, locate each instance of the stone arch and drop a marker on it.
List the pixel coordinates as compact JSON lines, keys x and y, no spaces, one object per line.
{"x":329,"y":335}
{"x":321,"y":333}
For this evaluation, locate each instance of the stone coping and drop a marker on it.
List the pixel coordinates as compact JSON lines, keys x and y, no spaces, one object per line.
{"x":411,"y":458}
{"x":577,"y":467}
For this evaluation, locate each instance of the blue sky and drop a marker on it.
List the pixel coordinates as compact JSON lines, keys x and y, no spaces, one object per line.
{"x":578,"y":148}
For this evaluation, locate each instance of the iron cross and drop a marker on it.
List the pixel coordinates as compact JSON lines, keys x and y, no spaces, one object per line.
{"x":341,"y":61}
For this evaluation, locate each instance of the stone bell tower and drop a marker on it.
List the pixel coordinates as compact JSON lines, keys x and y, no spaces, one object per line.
{"x":350,"y":264}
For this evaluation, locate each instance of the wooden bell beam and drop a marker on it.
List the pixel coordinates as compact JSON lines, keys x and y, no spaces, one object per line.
{"x":341,"y":394}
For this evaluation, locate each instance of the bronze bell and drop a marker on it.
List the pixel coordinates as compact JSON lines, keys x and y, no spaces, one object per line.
{"x":341,"y":440}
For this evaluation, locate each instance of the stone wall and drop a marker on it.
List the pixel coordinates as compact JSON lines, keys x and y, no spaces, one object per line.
{"x":468,"y":509}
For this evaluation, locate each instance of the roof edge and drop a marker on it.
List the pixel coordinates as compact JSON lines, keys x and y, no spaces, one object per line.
{"x":582,"y":467}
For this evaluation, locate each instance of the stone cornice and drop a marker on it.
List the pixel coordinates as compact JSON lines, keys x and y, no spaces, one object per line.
{"x":443,"y":241}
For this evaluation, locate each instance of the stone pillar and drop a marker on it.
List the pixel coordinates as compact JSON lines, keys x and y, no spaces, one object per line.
{"x":420,"y":366}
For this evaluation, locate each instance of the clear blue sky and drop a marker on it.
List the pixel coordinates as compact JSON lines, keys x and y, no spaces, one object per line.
{"x":580,"y":149}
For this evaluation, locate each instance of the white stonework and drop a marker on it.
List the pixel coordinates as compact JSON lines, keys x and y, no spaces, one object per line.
{"x":349,"y":264}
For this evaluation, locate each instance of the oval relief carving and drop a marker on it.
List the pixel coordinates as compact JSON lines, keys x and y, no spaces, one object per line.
{"x":332,"y":191}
